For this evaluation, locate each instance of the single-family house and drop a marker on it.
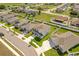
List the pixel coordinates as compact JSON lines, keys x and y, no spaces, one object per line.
{"x":12,"y":21}
{"x":75,"y":22}
{"x":41,"y":30}
{"x":25,"y":22}
{"x":76,"y":7}
{"x":64,"y":41}
{"x":62,"y":8}
{"x":60,"y":19}
{"x":26,"y":28}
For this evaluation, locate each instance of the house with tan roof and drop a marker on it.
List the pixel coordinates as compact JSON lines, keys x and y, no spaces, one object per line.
{"x":65,"y":41}
{"x":76,"y":7}
{"x":41,"y":30}
{"x":60,"y":19}
{"x":75,"y":22}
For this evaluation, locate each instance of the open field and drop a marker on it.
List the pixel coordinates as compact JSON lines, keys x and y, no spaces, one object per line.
{"x":44,"y":17}
{"x":12,"y":4}
{"x":4,"y":51}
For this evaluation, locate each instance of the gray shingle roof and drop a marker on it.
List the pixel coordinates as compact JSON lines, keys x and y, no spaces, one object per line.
{"x":66,"y":40}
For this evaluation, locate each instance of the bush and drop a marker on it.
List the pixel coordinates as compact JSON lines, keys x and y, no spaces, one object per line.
{"x":2,"y":7}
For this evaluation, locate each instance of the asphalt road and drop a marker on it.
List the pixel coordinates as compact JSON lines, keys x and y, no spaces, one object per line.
{"x":21,"y":45}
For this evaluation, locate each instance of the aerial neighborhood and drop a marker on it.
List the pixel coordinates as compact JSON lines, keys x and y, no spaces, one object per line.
{"x":39,"y":29}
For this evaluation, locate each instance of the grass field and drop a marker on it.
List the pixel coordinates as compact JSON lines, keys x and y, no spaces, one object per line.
{"x":44,"y":17}
{"x":12,"y":4}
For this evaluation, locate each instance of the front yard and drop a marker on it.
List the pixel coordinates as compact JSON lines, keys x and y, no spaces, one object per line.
{"x":51,"y":52}
{"x":39,"y":41}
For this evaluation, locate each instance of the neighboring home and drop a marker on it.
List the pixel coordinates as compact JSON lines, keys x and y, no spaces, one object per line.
{"x":25,"y":22}
{"x":41,"y":30}
{"x":31,"y":11}
{"x":60,"y":19}
{"x":76,"y":7}
{"x":62,"y":8}
{"x":8,"y":16}
{"x":75,"y":22}
{"x":64,"y":41}
{"x":20,"y":9}
{"x":26,"y":10}
{"x":26,"y":28}
{"x":12,"y":21}
{"x":1,"y":15}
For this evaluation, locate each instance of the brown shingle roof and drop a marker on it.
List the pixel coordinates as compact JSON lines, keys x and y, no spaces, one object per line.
{"x":75,"y":21}
{"x":62,"y":18}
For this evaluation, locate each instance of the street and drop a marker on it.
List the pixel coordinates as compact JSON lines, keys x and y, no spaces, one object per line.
{"x":21,"y":45}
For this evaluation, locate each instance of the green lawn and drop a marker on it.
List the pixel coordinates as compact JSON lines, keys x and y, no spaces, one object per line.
{"x":21,"y":16}
{"x":44,"y":17}
{"x":40,"y":41}
{"x":33,"y":44}
{"x":51,"y":52}
{"x":29,"y":34}
{"x":17,"y":30}
{"x":66,"y":12}
{"x":76,"y":33}
{"x":48,"y":6}
{"x":2,"y":22}
{"x":12,"y":4}
{"x":75,"y":49}
{"x":62,"y":30}
{"x":8,"y":25}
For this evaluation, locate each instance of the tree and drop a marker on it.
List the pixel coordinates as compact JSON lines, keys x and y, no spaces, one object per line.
{"x":2,"y":6}
{"x":39,"y":8}
{"x":1,"y":35}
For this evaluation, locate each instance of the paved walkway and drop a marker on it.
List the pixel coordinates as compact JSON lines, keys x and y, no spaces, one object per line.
{"x":27,"y":40}
{"x":46,"y":46}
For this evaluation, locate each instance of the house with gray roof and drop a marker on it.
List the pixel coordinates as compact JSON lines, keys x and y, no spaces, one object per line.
{"x":12,"y":21}
{"x":41,"y":30}
{"x":62,"y":8}
{"x":76,"y":7}
{"x":25,"y":22}
{"x":7,"y":16}
{"x":64,"y":41}
{"x":26,"y":28}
